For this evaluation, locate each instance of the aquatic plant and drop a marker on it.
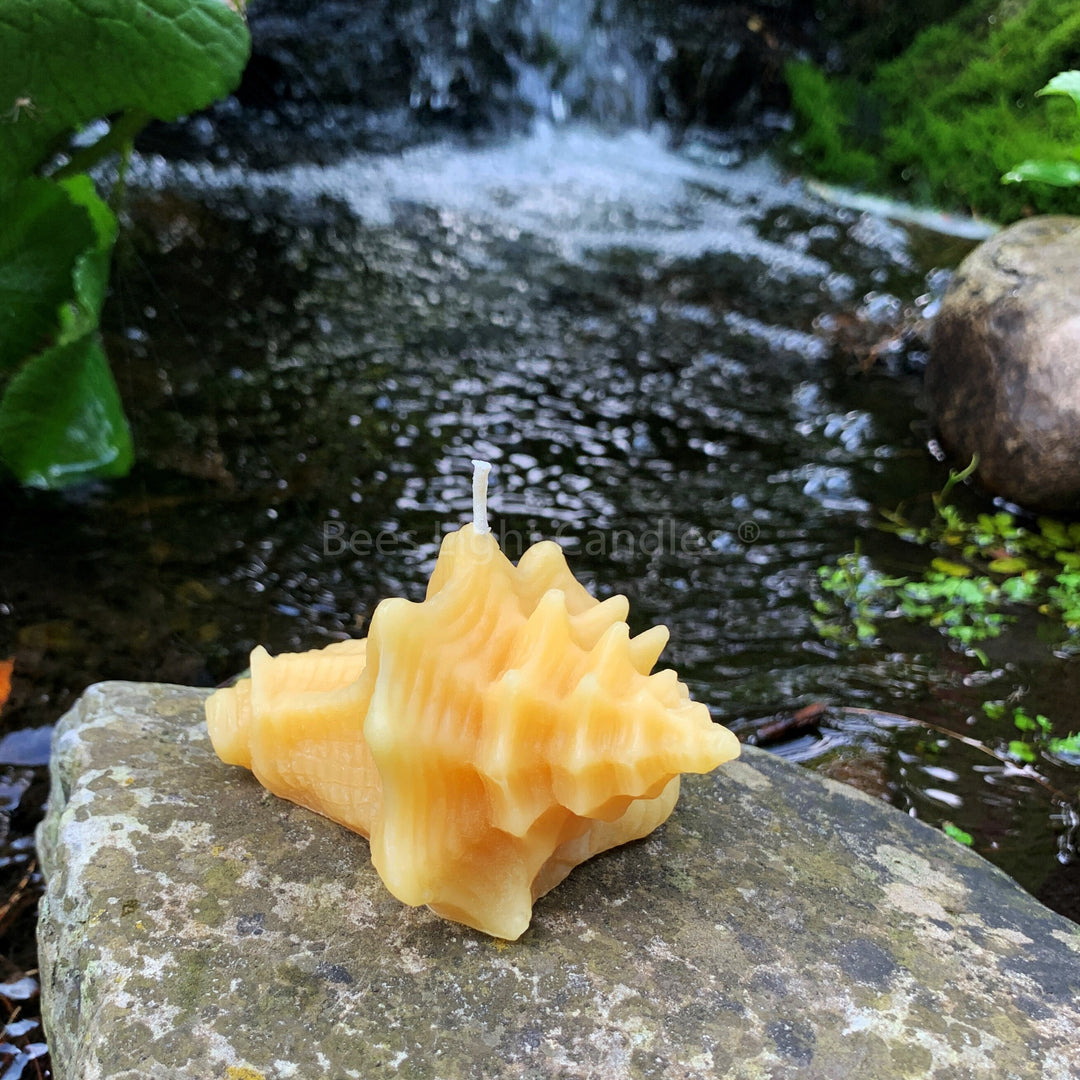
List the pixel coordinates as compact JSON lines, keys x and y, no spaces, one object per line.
{"x":981,"y":571}
{"x":63,"y":67}
{"x":1035,"y":735}
{"x":958,"y":834}
{"x":857,"y":596}
{"x":943,"y":121}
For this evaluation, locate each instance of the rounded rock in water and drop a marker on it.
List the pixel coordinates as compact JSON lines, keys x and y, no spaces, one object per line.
{"x":1003,"y":380}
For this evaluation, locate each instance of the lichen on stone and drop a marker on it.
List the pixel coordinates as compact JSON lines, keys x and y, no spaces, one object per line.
{"x":777,"y":926}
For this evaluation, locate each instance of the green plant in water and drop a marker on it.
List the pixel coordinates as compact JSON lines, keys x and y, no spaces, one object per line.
{"x":1059,"y":173}
{"x":964,"y":608}
{"x":1036,"y":735}
{"x":63,"y":65}
{"x":856,"y":596}
{"x":958,"y":834}
{"x":980,"y":572}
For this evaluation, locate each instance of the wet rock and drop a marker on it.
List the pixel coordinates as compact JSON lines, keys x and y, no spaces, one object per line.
{"x":1003,"y":379}
{"x":778,"y":925}
{"x":332,"y":76}
{"x":869,"y":772}
{"x":721,"y":66}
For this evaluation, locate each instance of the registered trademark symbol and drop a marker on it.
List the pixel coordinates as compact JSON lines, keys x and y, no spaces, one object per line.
{"x":749,"y":532}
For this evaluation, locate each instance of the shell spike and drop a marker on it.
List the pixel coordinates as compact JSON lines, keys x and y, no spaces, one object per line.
{"x":590,"y":625}
{"x":611,"y":658}
{"x":539,"y":642}
{"x":645,"y":649}
{"x":666,"y":687}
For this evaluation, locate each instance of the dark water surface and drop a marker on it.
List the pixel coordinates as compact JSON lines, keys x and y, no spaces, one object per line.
{"x":659,"y":352}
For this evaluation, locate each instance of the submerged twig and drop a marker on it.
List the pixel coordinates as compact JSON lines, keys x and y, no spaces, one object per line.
{"x":976,"y":744}
{"x":785,"y":727}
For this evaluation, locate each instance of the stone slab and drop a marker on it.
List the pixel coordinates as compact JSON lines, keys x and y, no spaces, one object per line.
{"x":779,"y":925}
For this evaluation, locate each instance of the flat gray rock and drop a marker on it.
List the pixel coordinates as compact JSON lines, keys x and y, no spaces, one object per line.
{"x":779,"y":925}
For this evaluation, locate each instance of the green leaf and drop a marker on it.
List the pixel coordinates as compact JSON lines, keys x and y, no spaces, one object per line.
{"x":1017,"y":590}
{"x":1058,"y":173}
{"x":1054,"y":531}
{"x":42,"y":234}
{"x":66,"y":62}
{"x":1011,"y":565}
{"x":1022,"y":751}
{"x":891,"y":582}
{"x":60,"y":419}
{"x":91,"y":273}
{"x":958,"y":834}
{"x":953,"y":569}
{"x":1069,"y":745}
{"x":1064,"y":84}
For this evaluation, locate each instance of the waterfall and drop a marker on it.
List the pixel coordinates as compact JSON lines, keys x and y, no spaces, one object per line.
{"x":329,"y":77}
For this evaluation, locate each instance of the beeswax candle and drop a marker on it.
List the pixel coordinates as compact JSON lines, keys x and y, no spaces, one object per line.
{"x":487,"y":739}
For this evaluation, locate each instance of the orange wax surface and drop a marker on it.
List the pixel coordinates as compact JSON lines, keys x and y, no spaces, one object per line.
{"x":486,"y":740}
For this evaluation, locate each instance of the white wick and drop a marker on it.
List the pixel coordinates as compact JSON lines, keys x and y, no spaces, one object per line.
{"x":479,"y":496}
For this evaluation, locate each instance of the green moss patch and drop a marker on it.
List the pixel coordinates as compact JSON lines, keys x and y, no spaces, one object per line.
{"x":944,"y":120}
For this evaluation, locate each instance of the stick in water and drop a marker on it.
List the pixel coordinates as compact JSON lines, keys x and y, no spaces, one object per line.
{"x":479,"y":496}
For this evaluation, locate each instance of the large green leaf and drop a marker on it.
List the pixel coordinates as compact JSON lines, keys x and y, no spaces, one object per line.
{"x":1064,"y":84}
{"x":61,"y":419}
{"x":1058,"y":173}
{"x":42,"y":234}
{"x":66,"y":62}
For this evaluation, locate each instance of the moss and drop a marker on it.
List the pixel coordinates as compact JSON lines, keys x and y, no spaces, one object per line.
{"x":943,"y":121}
{"x":833,"y":142}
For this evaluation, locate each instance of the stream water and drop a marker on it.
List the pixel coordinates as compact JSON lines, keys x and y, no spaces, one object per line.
{"x":656,"y":348}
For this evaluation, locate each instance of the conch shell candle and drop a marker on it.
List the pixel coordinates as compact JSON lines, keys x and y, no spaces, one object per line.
{"x":486,"y":740}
